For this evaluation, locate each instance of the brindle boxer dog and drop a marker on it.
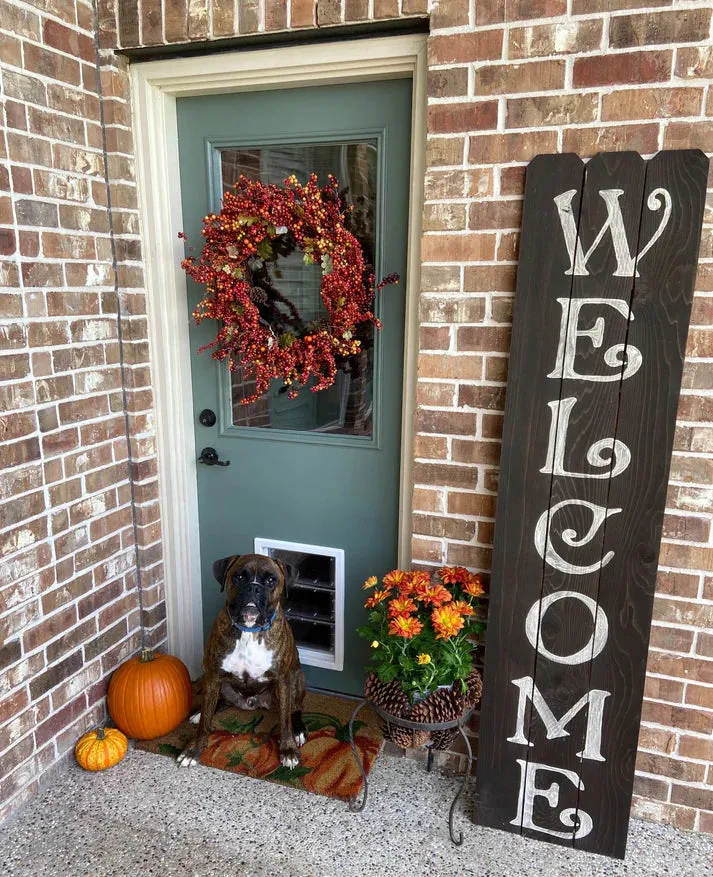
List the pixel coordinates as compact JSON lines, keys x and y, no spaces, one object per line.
{"x":250,"y":658}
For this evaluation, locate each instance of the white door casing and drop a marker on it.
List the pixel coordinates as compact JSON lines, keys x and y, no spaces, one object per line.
{"x":155,"y":86}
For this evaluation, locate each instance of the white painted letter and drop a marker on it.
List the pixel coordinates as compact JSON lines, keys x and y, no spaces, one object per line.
{"x":557,"y":727}
{"x":601,"y":453}
{"x":533,"y":623}
{"x":543,"y":542}
{"x":580,"y":821}
{"x":570,"y":331}
{"x":625,"y":262}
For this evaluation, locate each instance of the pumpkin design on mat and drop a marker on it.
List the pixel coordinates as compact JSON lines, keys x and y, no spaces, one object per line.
{"x":332,"y":768}
{"x":252,"y":754}
{"x":100,"y":748}
{"x":149,"y":695}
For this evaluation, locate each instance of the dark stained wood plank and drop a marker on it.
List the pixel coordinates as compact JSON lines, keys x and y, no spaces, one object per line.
{"x":566,"y":626}
{"x":661,"y":305}
{"x":582,"y":732}
{"x":523,"y":493}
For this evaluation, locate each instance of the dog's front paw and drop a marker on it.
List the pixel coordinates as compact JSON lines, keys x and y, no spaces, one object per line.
{"x":289,"y":757}
{"x":189,"y":757}
{"x":300,"y":738}
{"x":195,"y":718}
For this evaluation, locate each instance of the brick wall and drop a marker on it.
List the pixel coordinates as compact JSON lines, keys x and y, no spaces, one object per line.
{"x":68,"y":564}
{"x":507,"y":79}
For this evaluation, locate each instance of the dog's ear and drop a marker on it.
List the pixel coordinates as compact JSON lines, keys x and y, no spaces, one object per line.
{"x":289,"y":574}
{"x":220,"y":567}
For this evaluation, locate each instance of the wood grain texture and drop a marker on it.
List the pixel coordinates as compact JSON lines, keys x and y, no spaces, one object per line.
{"x":621,"y":391}
{"x":517,"y":568}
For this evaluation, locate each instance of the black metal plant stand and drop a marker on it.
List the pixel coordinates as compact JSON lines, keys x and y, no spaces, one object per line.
{"x":357,"y":806}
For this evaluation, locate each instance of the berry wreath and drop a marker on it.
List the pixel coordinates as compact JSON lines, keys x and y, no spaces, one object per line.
{"x":261,"y":329}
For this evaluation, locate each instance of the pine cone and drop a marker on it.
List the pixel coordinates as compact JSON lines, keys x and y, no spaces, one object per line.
{"x":440,"y":706}
{"x":420,"y":738}
{"x":402,"y":737}
{"x":442,"y":739}
{"x":389,"y":696}
{"x":473,"y":693}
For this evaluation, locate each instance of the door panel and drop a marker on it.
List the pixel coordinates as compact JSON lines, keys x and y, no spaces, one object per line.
{"x":322,"y":469}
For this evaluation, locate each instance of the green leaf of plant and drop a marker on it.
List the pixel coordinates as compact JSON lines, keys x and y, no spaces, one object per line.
{"x":286,"y":774}
{"x":168,"y":749}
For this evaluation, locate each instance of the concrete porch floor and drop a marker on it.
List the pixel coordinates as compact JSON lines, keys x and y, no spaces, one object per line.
{"x":148,"y":817}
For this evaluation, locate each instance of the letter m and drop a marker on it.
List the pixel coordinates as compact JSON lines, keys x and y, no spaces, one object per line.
{"x":594,"y":699}
{"x":614,"y":224}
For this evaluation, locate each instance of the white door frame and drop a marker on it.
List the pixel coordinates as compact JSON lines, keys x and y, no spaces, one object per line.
{"x":155,"y":87}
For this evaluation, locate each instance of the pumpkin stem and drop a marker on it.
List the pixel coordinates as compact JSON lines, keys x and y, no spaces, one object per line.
{"x":146,"y":655}
{"x":100,"y":734}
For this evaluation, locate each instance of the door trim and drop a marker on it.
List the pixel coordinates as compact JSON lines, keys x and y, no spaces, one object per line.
{"x":155,"y":86}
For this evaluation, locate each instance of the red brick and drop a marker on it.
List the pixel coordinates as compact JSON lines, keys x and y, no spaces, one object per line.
{"x":444,"y":151}
{"x":634,"y":68}
{"x":497,"y":148}
{"x":463,"y":48}
{"x":448,"y":82}
{"x":329,"y":12}
{"x":651,"y":103}
{"x":528,"y":112}
{"x":509,"y":78}
{"x":458,"y":248}
{"x":446,"y":422}
{"x":453,"y":118}
{"x":563,"y":38}
{"x":495,"y":214}
{"x":675,"y":26}
{"x":453,"y":367}
{"x":67,"y":40}
{"x":302,"y":13}
{"x":51,"y":64}
{"x":589,"y":141}
{"x":485,"y":338}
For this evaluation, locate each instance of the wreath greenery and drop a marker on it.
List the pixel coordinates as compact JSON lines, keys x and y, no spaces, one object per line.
{"x":261,"y":329}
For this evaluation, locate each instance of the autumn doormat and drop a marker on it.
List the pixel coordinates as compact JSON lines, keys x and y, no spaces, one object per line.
{"x":248,"y":742}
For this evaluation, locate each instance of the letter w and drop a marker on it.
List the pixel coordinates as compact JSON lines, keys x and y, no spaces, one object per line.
{"x":614,"y":224}
{"x":556,"y":727}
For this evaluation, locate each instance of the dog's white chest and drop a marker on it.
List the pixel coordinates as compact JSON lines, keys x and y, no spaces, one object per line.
{"x":250,"y":656}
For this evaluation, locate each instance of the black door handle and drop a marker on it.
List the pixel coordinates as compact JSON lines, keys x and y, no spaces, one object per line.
{"x":209,"y":456}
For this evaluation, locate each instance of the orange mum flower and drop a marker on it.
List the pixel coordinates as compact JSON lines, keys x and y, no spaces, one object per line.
{"x":369,"y":583}
{"x":401,"y":606}
{"x":420,"y":577}
{"x":447,"y":621}
{"x":473,"y":585}
{"x":463,"y":607}
{"x":397,"y":578}
{"x":377,"y":597}
{"x":433,"y":595}
{"x":453,"y":575}
{"x":406,"y":627}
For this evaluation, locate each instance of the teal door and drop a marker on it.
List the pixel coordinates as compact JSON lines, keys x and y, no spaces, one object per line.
{"x":319,"y":472}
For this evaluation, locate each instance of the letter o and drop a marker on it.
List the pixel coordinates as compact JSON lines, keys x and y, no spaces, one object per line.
{"x":596,"y":642}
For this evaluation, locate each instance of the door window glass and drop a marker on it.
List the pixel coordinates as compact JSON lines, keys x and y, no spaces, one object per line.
{"x":346,"y":408}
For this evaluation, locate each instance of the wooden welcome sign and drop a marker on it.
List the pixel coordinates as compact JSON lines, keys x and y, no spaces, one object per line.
{"x":604,"y":290}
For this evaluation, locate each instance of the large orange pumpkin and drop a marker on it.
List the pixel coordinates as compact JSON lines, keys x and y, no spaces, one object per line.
{"x":149,"y":695}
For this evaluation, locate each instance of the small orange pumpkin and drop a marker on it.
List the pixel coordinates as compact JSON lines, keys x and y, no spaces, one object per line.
{"x":100,"y":748}
{"x":149,"y":695}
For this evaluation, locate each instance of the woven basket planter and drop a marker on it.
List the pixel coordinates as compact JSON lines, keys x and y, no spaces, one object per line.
{"x":437,"y":707}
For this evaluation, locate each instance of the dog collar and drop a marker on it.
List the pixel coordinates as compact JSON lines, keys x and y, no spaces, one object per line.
{"x":260,"y":629}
